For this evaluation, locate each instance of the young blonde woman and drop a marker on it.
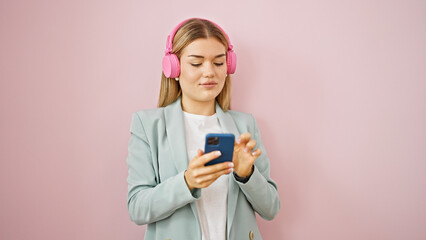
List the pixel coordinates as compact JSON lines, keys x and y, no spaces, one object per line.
{"x":169,"y":187}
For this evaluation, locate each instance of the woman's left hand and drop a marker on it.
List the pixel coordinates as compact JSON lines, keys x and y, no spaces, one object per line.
{"x":244,"y":156}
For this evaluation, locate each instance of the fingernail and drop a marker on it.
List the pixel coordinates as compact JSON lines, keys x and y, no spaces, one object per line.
{"x":230,"y":169}
{"x":239,"y":140}
{"x":253,"y":153}
{"x":217,"y":153}
{"x":230,"y":165}
{"x":245,"y":149}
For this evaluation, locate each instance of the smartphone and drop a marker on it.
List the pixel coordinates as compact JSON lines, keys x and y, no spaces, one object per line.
{"x":223,"y":142}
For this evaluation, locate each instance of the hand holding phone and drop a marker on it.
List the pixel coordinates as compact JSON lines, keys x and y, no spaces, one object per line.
{"x":209,"y":165}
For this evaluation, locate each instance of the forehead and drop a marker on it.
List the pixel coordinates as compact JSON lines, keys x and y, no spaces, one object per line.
{"x":204,"y":47}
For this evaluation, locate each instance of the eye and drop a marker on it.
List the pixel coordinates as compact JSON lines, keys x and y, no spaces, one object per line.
{"x":196,"y":64}
{"x":218,"y":64}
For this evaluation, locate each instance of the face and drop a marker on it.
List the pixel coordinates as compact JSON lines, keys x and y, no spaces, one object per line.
{"x":203,"y":70}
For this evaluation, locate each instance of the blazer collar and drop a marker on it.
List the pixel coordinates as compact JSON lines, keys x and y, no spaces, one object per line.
{"x":175,"y":130}
{"x":226,"y":121}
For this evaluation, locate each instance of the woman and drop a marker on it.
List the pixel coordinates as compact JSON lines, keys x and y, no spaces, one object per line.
{"x":169,"y":186}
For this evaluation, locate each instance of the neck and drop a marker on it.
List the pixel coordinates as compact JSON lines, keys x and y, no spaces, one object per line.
{"x":200,"y":108}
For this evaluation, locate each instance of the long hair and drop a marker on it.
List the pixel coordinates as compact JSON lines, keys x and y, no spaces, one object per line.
{"x":190,"y":31}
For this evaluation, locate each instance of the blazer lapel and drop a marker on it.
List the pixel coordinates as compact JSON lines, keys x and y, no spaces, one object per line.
{"x":228,"y":126}
{"x":175,"y":130}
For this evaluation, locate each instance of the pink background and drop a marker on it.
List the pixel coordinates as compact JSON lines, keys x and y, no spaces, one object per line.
{"x":337,"y":87}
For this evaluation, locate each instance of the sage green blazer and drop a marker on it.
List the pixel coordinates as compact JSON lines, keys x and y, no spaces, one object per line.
{"x":158,"y":195}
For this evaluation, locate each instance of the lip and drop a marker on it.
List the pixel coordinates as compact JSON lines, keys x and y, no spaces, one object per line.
{"x":209,"y":84}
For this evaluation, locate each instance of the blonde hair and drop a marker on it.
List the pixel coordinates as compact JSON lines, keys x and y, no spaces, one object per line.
{"x":190,"y":31}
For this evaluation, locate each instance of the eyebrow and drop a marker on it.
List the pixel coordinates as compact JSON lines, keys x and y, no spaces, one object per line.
{"x":198,"y":56}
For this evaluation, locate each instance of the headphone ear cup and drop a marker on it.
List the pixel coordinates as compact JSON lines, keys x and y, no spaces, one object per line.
{"x":171,"y":66}
{"x":231,"y":62}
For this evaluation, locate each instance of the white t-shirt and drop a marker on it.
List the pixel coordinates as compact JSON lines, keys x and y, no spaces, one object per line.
{"x":213,"y":204}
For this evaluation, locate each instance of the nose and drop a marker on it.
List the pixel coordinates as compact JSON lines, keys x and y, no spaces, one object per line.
{"x":209,"y":70}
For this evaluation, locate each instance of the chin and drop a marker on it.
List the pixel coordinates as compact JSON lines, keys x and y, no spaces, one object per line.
{"x":211,"y":96}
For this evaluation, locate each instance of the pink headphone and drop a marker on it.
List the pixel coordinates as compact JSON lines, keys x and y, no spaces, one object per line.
{"x":171,"y":66}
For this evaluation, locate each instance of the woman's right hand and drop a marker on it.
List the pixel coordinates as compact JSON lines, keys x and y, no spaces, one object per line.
{"x":199,"y":176}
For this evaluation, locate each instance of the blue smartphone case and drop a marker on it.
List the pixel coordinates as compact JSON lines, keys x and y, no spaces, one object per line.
{"x":224,"y":142}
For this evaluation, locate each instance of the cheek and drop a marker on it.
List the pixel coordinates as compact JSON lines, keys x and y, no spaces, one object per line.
{"x":222,"y":74}
{"x":188,"y":71}
{"x":223,"y":71}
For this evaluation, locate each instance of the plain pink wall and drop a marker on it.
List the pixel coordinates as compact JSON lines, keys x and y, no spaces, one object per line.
{"x":338,"y":89}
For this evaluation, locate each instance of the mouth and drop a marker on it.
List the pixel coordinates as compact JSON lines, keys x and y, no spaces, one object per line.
{"x":208,"y":84}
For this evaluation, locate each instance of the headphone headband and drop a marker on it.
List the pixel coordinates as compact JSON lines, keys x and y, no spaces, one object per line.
{"x":171,"y":36}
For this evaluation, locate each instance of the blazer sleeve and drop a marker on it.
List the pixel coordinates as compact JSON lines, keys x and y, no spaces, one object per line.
{"x":260,"y":190}
{"x":147,"y":200}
